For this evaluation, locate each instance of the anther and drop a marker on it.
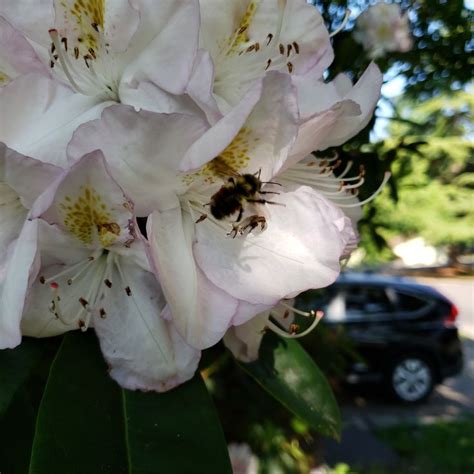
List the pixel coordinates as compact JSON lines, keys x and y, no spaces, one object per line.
{"x":128,"y":291}
{"x":82,"y":325}
{"x":282,"y":48}
{"x":64,"y":42}
{"x":83,"y":302}
{"x":76,"y":52}
{"x":297,"y":47}
{"x":42,"y":279}
{"x":108,"y":283}
{"x":95,"y":26}
{"x":269,"y":62}
{"x":269,"y":38}
{"x":241,"y":30}
{"x":290,"y":67}
{"x":201,"y":218}
{"x":102,"y":313}
{"x":288,"y":50}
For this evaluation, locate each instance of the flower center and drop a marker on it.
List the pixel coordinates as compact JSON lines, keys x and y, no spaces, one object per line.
{"x":85,"y":61}
{"x":89,"y":219}
{"x":4,"y":78}
{"x":242,"y":59}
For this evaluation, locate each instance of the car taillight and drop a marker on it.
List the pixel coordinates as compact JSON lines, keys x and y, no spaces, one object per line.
{"x":450,"y":319}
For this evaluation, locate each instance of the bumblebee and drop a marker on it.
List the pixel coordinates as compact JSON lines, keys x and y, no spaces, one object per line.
{"x":235,"y":193}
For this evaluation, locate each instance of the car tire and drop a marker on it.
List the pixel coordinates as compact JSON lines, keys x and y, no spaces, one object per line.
{"x":411,"y":379}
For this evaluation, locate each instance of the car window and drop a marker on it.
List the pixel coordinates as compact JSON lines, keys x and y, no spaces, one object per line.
{"x":410,"y":303}
{"x":359,"y":302}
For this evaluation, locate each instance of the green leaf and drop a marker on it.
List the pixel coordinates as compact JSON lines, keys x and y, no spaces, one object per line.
{"x":176,"y":431}
{"x":16,"y":432}
{"x":87,"y":423}
{"x":15,"y":366}
{"x":79,"y":428}
{"x":291,"y":376}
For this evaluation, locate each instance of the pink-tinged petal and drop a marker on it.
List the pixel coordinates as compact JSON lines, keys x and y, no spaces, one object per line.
{"x":200,"y":311}
{"x":16,"y":54}
{"x":14,"y":284}
{"x":222,"y":133}
{"x":300,"y":249}
{"x":86,"y":202}
{"x":143,"y":151}
{"x":246,"y":311}
{"x":32,"y":18}
{"x":143,"y":350}
{"x":200,"y":86}
{"x":39,"y":115}
{"x":164,"y":47}
{"x":24,"y":175}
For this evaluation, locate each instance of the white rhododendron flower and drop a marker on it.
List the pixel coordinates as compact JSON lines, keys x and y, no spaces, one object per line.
{"x":383,"y":27}
{"x":244,"y":39}
{"x":198,"y":261}
{"x":89,"y":55}
{"x":91,"y":269}
{"x":22,"y":180}
{"x":171,"y":198}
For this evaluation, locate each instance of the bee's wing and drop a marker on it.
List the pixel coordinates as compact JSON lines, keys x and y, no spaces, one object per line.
{"x":222,"y":169}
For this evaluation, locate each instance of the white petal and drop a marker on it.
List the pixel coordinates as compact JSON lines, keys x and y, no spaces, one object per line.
{"x":143,"y":151}
{"x":67,"y":266}
{"x":165,"y":44}
{"x":143,"y":350}
{"x":222,"y":133}
{"x":244,"y":340}
{"x":39,"y":115}
{"x":14,"y":284}
{"x":33,"y":18}
{"x":201,"y":312}
{"x":300,"y":249}
{"x":313,"y":133}
{"x":200,"y":86}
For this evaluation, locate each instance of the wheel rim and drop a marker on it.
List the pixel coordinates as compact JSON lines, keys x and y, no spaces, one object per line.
{"x":411,"y":379}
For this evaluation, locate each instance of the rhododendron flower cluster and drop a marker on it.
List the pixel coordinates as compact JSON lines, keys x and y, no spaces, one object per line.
{"x":383,"y":28}
{"x":156,"y":175}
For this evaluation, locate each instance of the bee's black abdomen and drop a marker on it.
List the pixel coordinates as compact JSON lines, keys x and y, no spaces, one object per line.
{"x":224,"y":203}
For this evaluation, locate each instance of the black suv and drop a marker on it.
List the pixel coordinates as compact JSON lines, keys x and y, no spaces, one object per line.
{"x":403,"y":331}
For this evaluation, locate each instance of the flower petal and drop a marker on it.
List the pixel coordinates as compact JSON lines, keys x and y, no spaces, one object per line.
{"x":300,"y":249}
{"x":165,"y":44}
{"x":39,"y":115}
{"x":86,"y":202}
{"x":244,"y":340}
{"x":201,"y":312}
{"x":16,"y":54}
{"x":143,"y":151}
{"x":143,"y":350}
{"x":14,"y":284}
{"x":31,"y":17}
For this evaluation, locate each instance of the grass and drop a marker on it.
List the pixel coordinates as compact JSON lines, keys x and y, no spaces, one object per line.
{"x":438,"y":448}
{"x":444,"y":447}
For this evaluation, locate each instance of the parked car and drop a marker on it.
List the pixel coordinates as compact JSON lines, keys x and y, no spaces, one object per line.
{"x":404,"y":332}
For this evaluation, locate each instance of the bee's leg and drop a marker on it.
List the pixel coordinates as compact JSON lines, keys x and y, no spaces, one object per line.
{"x":262,"y":201}
{"x":235,"y":230}
{"x":252,"y":222}
{"x":271,"y":182}
{"x":201,"y":218}
{"x":268,"y":192}
{"x":241,"y":211}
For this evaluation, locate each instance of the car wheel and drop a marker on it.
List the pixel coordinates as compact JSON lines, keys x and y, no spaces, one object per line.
{"x":411,"y":379}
